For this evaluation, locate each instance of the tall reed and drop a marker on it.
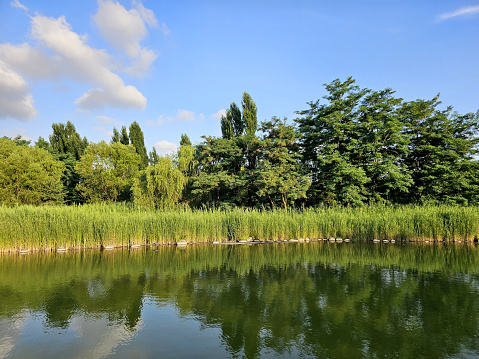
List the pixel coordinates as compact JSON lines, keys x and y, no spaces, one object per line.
{"x":97,"y":225}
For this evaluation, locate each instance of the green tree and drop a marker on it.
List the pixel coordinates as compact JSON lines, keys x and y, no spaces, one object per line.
{"x":279,"y":176}
{"x":124,"y":139}
{"x":217,"y":180}
{"x":153,"y":157}
{"x":65,"y":139}
{"x":67,"y":146}
{"x":138,"y":141}
{"x":185,"y":140}
{"x":329,"y":137}
{"x":29,"y":175}
{"x":381,"y":145}
{"x":116,"y":136}
{"x":227,"y":129}
{"x":250,"y":120}
{"x":107,"y":172}
{"x":442,"y":149}
{"x":160,"y":185}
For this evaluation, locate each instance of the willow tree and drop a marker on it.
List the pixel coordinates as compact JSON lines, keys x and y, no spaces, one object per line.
{"x":160,"y":185}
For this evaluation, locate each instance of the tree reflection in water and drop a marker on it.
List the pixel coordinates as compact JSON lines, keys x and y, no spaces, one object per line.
{"x":319,"y":299}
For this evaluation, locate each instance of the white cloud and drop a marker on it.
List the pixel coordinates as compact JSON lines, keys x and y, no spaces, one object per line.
{"x":17,"y":132}
{"x":219,"y":114}
{"x":143,"y":63}
{"x":105,"y":119}
{"x":19,"y":5}
{"x":147,"y":15}
{"x":165,"y":147}
{"x":32,"y":62}
{"x":460,"y":12}
{"x":15,"y":100}
{"x":125,"y":29}
{"x":150,"y":123}
{"x":122,"y":28}
{"x":164,"y":29}
{"x":104,"y":132}
{"x":186,"y":116}
{"x":86,"y":64}
{"x":60,"y":53}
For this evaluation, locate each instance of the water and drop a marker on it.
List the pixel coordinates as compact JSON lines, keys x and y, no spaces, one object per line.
{"x":324,"y":300}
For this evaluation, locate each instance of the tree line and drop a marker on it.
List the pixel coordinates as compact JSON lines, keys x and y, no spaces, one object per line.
{"x":355,"y":147}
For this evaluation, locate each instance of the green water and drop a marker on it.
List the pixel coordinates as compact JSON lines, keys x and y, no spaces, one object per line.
{"x":324,"y":300}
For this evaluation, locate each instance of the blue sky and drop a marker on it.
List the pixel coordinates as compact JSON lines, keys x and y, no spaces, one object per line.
{"x":174,"y":66}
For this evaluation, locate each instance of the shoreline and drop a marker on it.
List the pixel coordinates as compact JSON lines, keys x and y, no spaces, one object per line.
{"x":249,"y":242}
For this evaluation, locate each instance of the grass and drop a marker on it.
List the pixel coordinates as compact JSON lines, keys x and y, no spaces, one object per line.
{"x":89,"y":226}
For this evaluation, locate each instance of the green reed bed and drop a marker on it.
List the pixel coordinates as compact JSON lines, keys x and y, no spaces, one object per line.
{"x":96,"y":225}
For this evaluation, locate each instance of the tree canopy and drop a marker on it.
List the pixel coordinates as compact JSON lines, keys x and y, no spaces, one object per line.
{"x":354,"y":147}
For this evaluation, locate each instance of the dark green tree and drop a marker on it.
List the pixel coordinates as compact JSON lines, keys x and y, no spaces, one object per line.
{"x":329,"y":137}
{"x":227,"y":129}
{"x":279,"y":176}
{"x":442,"y":149}
{"x":124,"y":139}
{"x":67,"y":146}
{"x":138,"y":141}
{"x":65,"y":139}
{"x":232,"y":124}
{"x":250,"y":120}
{"x":185,"y":140}
{"x":217,"y":182}
{"x":381,"y":146}
{"x":116,"y":136}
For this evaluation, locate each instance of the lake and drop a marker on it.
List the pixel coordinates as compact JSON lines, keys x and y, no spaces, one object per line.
{"x":311,"y":300}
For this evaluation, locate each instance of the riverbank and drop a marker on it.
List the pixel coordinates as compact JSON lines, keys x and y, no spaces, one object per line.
{"x":98,"y":226}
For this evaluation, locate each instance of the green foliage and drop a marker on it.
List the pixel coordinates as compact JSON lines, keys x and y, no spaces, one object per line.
{"x":227,"y":129}
{"x":116,"y":136}
{"x":138,"y":141}
{"x":159,"y":186}
{"x":329,"y":137}
{"x":185,"y":140}
{"x":219,"y":164}
{"x":278,"y":174}
{"x":153,"y":157}
{"x":442,"y":148}
{"x":107,"y":172}
{"x":28,"y":175}
{"x":65,"y":139}
{"x":124,"y":139}
{"x":250,"y":120}
{"x":186,"y":160}
{"x":366,"y":146}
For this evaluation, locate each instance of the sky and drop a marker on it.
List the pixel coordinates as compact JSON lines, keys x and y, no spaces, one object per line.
{"x":175,"y":66}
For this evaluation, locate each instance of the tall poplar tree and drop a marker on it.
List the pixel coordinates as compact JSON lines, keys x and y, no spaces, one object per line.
{"x":250,"y":119}
{"x":138,"y":141}
{"x":124,"y":140}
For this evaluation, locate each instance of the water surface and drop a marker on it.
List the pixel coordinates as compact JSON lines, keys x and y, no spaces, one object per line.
{"x":325,"y":300}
